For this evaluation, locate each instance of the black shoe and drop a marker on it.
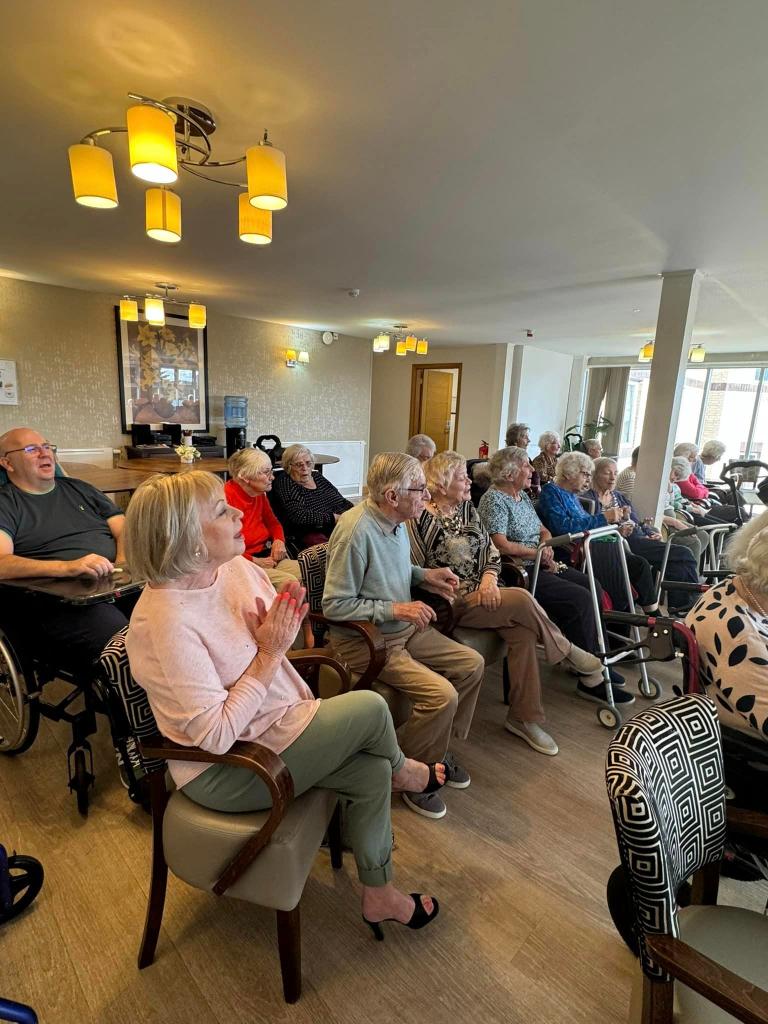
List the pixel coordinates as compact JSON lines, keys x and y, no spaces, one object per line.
{"x":616,"y":679}
{"x":419,"y":917}
{"x":597,"y":694}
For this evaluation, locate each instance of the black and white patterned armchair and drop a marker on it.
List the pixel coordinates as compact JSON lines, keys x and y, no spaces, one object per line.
{"x":664,"y":775}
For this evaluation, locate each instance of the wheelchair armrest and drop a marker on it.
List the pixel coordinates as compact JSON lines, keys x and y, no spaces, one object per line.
{"x":373,"y":639}
{"x":256,"y":758}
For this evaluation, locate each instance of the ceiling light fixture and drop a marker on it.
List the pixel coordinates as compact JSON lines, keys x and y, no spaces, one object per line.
{"x":381,"y":343}
{"x":154,"y":308}
{"x":163,"y":136}
{"x":404,"y":341}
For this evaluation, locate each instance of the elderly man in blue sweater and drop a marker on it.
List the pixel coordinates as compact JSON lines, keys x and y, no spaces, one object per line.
{"x":369,"y":577}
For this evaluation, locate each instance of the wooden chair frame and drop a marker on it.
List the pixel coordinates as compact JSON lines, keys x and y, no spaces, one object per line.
{"x":271,"y":769}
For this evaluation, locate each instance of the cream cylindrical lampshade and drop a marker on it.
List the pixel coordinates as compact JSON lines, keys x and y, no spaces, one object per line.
{"x":254,"y":226}
{"x":93,"y":176}
{"x":152,"y":144}
{"x":163,"y":215}
{"x":197,"y":315}
{"x":303,"y":357}
{"x":129,"y":309}
{"x":410,"y":343}
{"x":154,"y":312}
{"x":697,"y":354}
{"x":267,"y":182}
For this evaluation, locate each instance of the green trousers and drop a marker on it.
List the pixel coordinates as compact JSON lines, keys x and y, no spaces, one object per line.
{"x":350,"y":747}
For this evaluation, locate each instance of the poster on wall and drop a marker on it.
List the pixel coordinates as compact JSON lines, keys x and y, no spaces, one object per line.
{"x":9,"y":391}
{"x":163,"y":372}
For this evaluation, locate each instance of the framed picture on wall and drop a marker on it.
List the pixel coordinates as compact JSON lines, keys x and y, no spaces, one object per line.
{"x":163,"y":372}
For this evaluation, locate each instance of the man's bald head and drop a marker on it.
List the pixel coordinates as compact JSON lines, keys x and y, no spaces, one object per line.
{"x":33,"y":471}
{"x":19,"y":437}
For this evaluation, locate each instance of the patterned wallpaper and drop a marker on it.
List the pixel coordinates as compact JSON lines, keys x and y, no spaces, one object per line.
{"x":64,"y":345}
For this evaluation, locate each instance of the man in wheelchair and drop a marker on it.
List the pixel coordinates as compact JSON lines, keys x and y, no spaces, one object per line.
{"x":57,"y":527}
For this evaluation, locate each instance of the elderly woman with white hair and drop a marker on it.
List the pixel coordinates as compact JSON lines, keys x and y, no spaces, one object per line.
{"x":561,"y":512}
{"x":207,"y":642}
{"x":593,"y":447}
{"x":421,"y":447}
{"x":307,"y":504}
{"x":449,"y":533}
{"x":702,"y":512}
{"x":730,"y":623}
{"x":508,"y":514}
{"x":250,"y":480}
{"x":519,"y":436}
{"x":643,"y":538}
{"x":546,"y":461}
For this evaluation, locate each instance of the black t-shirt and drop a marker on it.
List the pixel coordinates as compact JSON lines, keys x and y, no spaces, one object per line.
{"x":66,"y":523}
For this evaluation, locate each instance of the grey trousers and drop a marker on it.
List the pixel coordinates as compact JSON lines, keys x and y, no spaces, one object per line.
{"x":350,"y":747}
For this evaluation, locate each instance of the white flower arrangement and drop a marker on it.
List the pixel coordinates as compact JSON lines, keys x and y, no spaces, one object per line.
{"x":187,"y":452}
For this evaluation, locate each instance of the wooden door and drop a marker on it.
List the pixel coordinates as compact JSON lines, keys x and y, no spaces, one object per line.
{"x":436,"y":406}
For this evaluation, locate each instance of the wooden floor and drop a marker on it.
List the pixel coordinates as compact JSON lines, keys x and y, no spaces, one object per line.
{"x":520,"y":865}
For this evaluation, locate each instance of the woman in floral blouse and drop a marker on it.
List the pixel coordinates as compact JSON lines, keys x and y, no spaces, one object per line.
{"x":449,"y":533}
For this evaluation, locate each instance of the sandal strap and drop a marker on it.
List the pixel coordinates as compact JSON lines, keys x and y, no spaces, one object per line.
{"x":434,"y":784}
{"x":420,"y":917}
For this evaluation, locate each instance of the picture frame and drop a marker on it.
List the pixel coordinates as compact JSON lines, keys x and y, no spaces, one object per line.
{"x":162,"y":373}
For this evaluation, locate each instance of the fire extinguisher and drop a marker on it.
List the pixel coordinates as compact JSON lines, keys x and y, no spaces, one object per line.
{"x":482,"y":452}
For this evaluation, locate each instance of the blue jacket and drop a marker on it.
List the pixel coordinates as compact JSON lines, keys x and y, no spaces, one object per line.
{"x":561,"y":512}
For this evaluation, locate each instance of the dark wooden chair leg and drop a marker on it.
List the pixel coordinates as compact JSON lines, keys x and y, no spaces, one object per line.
{"x":334,"y":839}
{"x":159,"y":880}
{"x":505,"y":680}
{"x":289,"y":945}
{"x":705,"y":884}
{"x":657,"y":1002}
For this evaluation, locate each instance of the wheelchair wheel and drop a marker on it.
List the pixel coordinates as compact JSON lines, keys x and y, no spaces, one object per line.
{"x":609,"y":718}
{"x":19,"y":710}
{"x":26,"y":878}
{"x":655,"y":689}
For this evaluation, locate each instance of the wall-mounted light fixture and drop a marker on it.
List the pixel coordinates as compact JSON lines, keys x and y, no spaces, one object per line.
{"x":303,"y":357}
{"x":697,"y":353}
{"x":646,"y":352}
{"x":290,"y":357}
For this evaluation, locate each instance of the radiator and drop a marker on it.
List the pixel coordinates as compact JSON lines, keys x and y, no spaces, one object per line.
{"x":348,"y":474}
{"x":101,"y":457}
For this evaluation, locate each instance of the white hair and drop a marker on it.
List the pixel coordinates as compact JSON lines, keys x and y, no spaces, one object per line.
{"x":548,"y":437}
{"x":571,"y":464}
{"x":602,"y":461}
{"x":686,"y":448}
{"x":247,"y":463}
{"x":712,"y":450}
{"x":747,"y":553}
{"x":295,"y":451}
{"x":504,"y":463}
{"x":418,"y":443}
{"x":681,"y":467}
{"x":391,"y":470}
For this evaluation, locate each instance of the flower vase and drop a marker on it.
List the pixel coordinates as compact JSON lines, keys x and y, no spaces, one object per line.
{"x":187,"y":458}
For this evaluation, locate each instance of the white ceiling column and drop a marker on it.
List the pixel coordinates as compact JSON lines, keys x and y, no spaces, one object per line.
{"x":677,"y":310}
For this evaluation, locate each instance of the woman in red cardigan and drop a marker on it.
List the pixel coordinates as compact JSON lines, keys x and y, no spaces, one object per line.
{"x":250,"y":477}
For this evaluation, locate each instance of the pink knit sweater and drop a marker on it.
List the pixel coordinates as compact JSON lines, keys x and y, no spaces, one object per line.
{"x":190,"y":649}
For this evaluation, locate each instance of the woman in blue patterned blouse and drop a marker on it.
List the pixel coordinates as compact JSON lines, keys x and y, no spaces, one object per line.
{"x":449,"y":534}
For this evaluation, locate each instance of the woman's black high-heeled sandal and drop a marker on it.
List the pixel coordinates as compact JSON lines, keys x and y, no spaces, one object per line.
{"x":434,"y":784}
{"x":419,"y":918}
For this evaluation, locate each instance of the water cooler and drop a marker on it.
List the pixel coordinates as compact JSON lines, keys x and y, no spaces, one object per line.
{"x":235,"y":422}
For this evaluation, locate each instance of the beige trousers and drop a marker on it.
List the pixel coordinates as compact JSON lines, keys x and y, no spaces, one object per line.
{"x":441,"y":677}
{"x":283,"y":572}
{"x":522,"y":623}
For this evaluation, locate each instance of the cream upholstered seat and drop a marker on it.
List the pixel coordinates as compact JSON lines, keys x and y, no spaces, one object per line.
{"x":263,"y":857}
{"x":665,"y":783}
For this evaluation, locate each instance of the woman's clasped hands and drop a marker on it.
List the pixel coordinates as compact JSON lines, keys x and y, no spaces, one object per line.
{"x":276,"y":631}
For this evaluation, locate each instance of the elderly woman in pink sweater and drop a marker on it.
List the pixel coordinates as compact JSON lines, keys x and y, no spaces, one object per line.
{"x":207,"y":641}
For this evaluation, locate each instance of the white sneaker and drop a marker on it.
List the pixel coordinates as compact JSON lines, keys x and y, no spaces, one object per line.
{"x":533,"y":735}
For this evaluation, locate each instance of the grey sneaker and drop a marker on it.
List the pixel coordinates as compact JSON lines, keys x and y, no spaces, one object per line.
{"x":455,"y":776}
{"x":430,"y":805}
{"x":533,"y":735}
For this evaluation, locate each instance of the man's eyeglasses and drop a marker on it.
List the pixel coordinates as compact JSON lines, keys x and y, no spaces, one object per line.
{"x":35,"y":449}
{"x":419,"y":490}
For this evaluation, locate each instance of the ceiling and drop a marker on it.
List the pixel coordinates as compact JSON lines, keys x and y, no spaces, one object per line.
{"x":475,"y":170}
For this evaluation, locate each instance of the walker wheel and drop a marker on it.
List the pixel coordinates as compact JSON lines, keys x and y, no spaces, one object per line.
{"x":609,"y":718}
{"x":655,"y":689}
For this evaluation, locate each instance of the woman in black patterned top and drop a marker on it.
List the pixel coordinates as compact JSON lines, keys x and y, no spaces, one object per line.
{"x":306,"y":504}
{"x":449,"y":534}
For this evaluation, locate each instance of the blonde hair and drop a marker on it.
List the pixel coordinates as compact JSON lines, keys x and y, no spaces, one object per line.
{"x":391,"y":470}
{"x":747,"y":553}
{"x":163,"y":533}
{"x":247,"y":463}
{"x":292,"y":452}
{"x":440,"y":469}
{"x":569,"y":466}
{"x":506,"y":461}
